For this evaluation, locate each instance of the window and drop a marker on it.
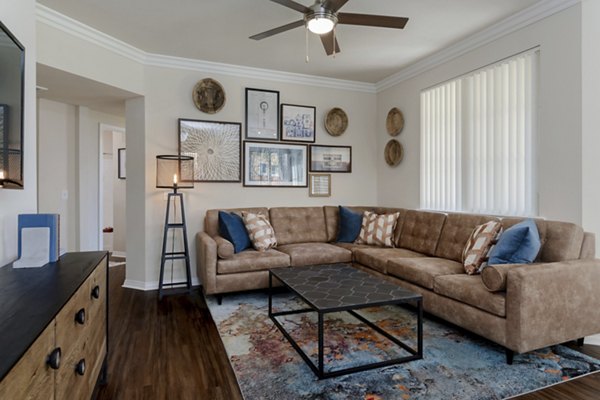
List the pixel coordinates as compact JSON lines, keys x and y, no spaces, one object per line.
{"x":477,"y":140}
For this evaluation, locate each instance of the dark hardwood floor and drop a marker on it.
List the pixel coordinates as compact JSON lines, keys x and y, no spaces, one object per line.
{"x":172,"y":350}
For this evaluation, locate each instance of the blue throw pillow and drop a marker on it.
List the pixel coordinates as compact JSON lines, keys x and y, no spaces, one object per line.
{"x":231,"y":227}
{"x":519,"y":244}
{"x":349,"y":227}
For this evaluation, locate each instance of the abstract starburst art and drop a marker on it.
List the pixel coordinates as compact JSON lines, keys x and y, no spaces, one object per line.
{"x":216,"y":148}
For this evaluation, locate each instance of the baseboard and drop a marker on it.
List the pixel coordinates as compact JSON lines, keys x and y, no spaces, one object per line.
{"x":594,"y":339}
{"x":146,"y":286}
{"x":119,"y":254}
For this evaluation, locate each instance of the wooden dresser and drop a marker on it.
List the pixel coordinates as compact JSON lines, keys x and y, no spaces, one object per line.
{"x":54,"y":328}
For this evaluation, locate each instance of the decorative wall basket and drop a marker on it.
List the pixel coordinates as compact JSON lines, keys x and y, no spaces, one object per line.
{"x":394,"y":122}
{"x":394,"y":152}
{"x":336,"y":122}
{"x":209,"y":96}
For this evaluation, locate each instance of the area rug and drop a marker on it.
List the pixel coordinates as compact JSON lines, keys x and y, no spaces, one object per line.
{"x":456,"y":364}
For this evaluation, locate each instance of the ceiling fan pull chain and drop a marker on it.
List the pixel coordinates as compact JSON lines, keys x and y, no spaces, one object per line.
{"x":306,"y":37}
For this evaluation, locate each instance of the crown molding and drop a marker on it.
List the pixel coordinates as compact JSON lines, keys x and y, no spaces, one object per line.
{"x":157,"y":60}
{"x":85,"y":32}
{"x":528,"y":16}
{"x":75,"y":28}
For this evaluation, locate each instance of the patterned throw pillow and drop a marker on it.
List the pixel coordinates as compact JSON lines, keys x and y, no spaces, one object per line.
{"x":260,"y":231}
{"x":377,"y":229}
{"x":475,"y":253}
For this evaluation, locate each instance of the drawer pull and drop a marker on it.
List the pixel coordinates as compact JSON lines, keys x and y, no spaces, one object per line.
{"x":80,"y":367}
{"x":80,"y":316}
{"x":54,"y":358}
{"x":96,"y":292}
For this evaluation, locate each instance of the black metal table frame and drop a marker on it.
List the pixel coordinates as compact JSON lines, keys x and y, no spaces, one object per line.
{"x":319,"y":369}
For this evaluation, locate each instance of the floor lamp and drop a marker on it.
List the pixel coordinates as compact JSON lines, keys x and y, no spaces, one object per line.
{"x":174,"y":172}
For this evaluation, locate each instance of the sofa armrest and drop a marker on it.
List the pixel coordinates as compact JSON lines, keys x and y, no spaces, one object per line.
{"x":552,"y":303}
{"x":206,"y":250}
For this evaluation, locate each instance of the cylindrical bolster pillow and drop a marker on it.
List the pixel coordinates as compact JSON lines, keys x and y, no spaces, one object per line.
{"x":494,"y":276}
{"x":224,"y":247}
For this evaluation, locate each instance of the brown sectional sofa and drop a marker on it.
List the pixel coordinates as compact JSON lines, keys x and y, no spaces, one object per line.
{"x":552,"y":301}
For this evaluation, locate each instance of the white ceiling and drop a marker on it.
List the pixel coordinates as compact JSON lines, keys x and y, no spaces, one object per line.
{"x":218,"y":30}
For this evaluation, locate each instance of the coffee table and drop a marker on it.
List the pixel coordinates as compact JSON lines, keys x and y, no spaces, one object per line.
{"x":341,"y":287}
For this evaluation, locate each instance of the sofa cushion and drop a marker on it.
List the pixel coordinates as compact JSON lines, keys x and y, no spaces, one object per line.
{"x":332,"y":218}
{"x":350,"y":223}
{"x":423,"y":271}
{"x":298,"y":224}
{"x":211,"y":220}
{"x":224,"y":247}
{"x":478,"y":246}
{"x":377,"y":257}
{"x":563,"y":242}
{"x":455,"y":233}
{"x":469,"y":289}
{"x":252,"y":260}
{"x":377,"y":229}
{"x":231,"y":227}
{"x":315,"y":253}
{"x":519,"y":244}
{"x":421,"y":231}
{"x":260,"y":231}
{"x":494,"y":276}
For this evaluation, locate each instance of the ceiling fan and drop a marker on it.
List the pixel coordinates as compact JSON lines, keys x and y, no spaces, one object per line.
{"x":323,"y":16}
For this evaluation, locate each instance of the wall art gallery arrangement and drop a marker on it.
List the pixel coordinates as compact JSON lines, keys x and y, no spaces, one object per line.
{"x":278,"y":150}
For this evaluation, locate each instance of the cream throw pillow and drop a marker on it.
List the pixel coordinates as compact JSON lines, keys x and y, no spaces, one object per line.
{"x":260,"y":231}
{"x":377,"y":229}
{"x":475,"y":253}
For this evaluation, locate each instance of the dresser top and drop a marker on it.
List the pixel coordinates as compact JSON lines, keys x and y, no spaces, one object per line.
{"x":31,"y":297}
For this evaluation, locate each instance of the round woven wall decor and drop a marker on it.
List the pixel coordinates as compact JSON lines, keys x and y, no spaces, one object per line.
{"x":394,"y":122}
{"x":394,"y":152}
{"x":336,"y":122}
{"x":209,"y":96}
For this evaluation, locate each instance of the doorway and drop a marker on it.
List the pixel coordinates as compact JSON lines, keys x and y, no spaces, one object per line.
{"x":112,"y":193}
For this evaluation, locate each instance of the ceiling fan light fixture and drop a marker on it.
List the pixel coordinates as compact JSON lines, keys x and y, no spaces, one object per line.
{"x":321,"y":22}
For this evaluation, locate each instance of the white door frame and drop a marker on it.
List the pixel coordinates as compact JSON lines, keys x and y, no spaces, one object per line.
{"x":103,"y":128}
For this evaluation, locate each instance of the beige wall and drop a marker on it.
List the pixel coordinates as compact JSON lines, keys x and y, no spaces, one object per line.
{"x":57,"y":167}
{"x":559,"y":129}
{"x":18,"y":16}
{"x":168,"y":97}
{"x":590,"y":182}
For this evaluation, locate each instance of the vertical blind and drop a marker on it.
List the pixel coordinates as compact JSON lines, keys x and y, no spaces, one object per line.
{"x":477,"y":140}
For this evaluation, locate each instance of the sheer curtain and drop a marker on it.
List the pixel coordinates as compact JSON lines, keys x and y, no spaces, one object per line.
{"x":477,"y":140}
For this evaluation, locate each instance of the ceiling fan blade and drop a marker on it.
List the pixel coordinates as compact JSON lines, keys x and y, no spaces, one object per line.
{"x":293,"y":5}
{"x":327,"y":40}
{"x":277,"y":30}
{"x":383,"y":21}
{"x":334,"y":5}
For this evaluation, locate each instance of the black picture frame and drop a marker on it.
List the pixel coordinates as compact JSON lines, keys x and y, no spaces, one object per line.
{"x":298,"y":123}
{"x":262,"y":108}
{"x":216,"y":147}
{"x":122,"y":170}
{"x":333,"y":162}
{"x":249,"y":181}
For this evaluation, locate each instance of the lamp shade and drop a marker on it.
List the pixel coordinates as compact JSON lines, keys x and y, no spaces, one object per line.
{"x":174,"y":172}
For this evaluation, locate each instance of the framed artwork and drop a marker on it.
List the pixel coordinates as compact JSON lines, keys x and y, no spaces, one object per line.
{"x":298,"y":123}
{"x":262,"y":114}
{"x":121,"y":167}
{"x":275,"y":164}
{"x":330,"y":158}
{"x":319,"y":185}
{"x":215,"y":147}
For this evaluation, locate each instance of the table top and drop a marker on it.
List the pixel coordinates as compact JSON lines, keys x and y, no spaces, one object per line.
{"x":338,"y":287}
{"x":30,"y":298}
